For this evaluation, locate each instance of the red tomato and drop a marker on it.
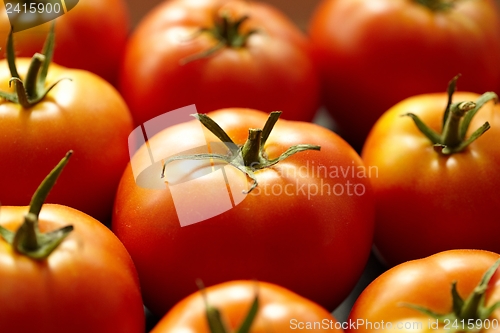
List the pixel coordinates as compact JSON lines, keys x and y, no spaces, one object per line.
{"x":279,"y":310}
{"x":85,"y":114}
{"x":388,"y":303}
{"x":427,"y":202}
{"x":89,"y":284}
{"x":269,"y":70}
{"x":85,"y":282}
{"x":91,"y":36}
{"x":306,"y":226}
{"x":375,"y":53}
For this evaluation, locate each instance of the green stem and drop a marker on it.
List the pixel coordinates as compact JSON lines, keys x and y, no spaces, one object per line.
{"x":268,"y":127}
{"x":32,"y":75}
{"x":452,"y":87}
{"x":26,"y":237}
{"x":213,"y":127}
{"x":451,"y":129}
{"x":28,"y":240}
{"x":32,"y":90}
{"x":214,"y":317}
{"x":21,"y":95}
{"x":46,"y":186}
{"x":456,"y":120}
{"x":251,"y":156}
{"x":471,"y":308}
{"x":11,"y":56}
{"x":480,"y":102}
{"x":251,"y":149}
{"x":437,"y":5}
{"x":247,"y":323}
{"x":227,"y":32}
{"x":48,"y":52}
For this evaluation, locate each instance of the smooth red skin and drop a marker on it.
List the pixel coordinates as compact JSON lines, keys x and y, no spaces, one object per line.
{"x":425,"y":282}
{"x":86,"y":115}
{"x":425,"y":202}
{"x":91,"y":36}
{"x":277,"y":307}
{"x":274,"y":71}
{"x":88,"y":284}
{"x":374,"y":53}
{"x":316,"y":248}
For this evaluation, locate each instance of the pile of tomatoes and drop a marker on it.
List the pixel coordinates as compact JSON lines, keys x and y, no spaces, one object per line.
{"x":197,"y":182}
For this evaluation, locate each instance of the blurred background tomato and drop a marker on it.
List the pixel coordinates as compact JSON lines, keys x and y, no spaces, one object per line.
{"x":82,"y":41}
{"x":299,"y":11}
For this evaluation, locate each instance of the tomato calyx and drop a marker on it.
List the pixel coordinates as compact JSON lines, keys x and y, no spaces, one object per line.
{"x":28,"y":240}
{"x":248,"y":158}
{"x":215,"y":321}
{"x":32,"y":90}
{"x":226,"y":31}
{"x":456,"y":122}
{"x":437,"y":5}
{"x":472,"y":309}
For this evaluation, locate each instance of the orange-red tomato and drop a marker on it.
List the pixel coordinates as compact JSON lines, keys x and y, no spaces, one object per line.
{"x":279,"y":310}
{"x":91,"y":36}
{"x":307,"y":226}
{"x":86,"y":115}
{"x":384,"y":305}
{"x":374,"y":53}
{"x":88,"y":284}
{"x":427,"y":202}
{"x":271,"y":70}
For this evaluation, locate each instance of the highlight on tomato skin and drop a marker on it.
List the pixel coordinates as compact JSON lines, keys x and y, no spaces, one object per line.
{"x":305,"y":217}
{"x":246,"y":307}
{"x":456,"y":290}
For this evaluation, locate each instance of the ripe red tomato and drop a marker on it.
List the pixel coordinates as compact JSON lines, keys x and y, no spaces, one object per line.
{"x":306,"y":226}
{"x":374,"y":53}
{"x":426,"y":201}
{"x":86,"y":283}
{"x":91,"y":36}
{"x":278,"y":310}
{"x":264,"y":63}
{"x":389,"y":303}
{"x":85,"y":114}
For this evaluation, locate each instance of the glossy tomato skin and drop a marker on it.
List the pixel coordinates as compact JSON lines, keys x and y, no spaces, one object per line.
{"x":425,"y":282}
{"x":427,"y":202}
{"x":86,"y":115}
{"x":88,"y":284}
{"x":279,"y":310}
{"x":374,"y":53}
{"x":91,"y":36}
{"x":273,"y":71}
{"x":315,"y":246}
